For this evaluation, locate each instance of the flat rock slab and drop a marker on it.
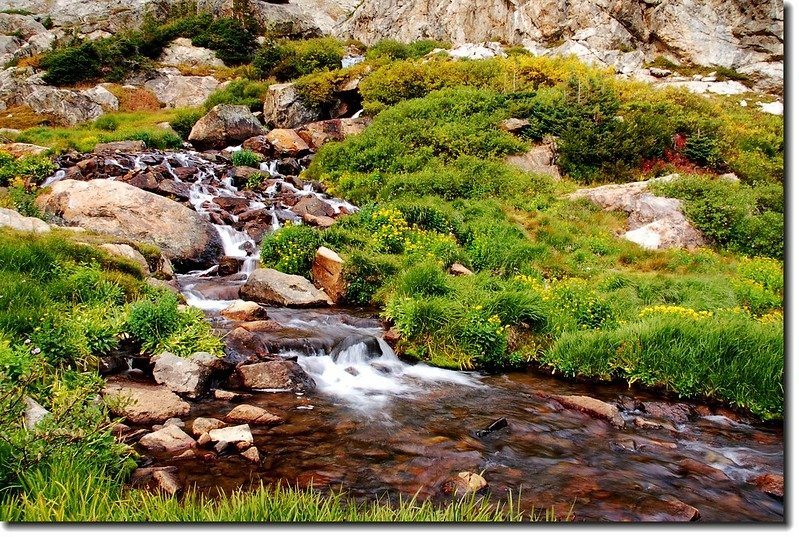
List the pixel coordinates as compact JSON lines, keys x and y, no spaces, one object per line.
{"x":144,"y":403}
{"x":275,"y":375}
{"x":252,"y":414}
{"x":204,"y":425}
{"x":171,"y":438}
{"x":269,"y":286}
{"x":232,"y":435}
{"x":590,"y":406}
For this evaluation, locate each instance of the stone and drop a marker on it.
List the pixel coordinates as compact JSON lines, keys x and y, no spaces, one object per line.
{"x":284,"y":109}
{"x":327,"y":272}
{"x":12,"y":219}
{"x":318,"y":133}
{"x":203,"y":425}
{"x":592,"y":407}
{"x":183,"y":376}
{"x":167,"y":481}
{"x":224,"y":125}
{"x":465,"y":483}
{"x":514,"y":125}
{"x":539,"y":160}
{"x":65,"y":106}
{"x":19,"y":150}
{"x":678,"y":412}
{"x":144,"y":403}
{"x":258,"y":144}
{"x":252,"y":414}
{"x":251,"y":455}
{"x":241,"y":344}
{"x":474,"y":51}
{"x":642,"y":423}
{"x":204,"y":439}
{"x":275,"y":375}
{"x":229,"y":265}
{"x":323,"y":222}
{"x":34,"y":413}
{"x":262,"y":326}
{"x":175,"y":90}
{"x":232,"y":435}
{"x":171,"y":438}
{"x":771,"y":484}
{"x":269,"y":286}
{"x":242,"y":310}
{"x":224,"y":395}
{"x":128,"y":252}
{"x":181,"y":52}
{"x":118,"y":209}
{"x":459,"y":270}
{"x":313,"y":206}
{"x":107,"y":100}
{"x":287,"y":143}
{"x":125,"y":146}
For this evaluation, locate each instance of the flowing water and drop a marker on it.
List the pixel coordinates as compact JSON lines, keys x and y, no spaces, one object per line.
{"x":381,"y":427}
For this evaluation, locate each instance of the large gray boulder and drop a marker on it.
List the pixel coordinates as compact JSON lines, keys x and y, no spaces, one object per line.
{"x":12,"y":219}
{"x":225,"y":125}
{"x":269,"y":286}
{"x":284,"y":109}
{"x":118,"y":209}
{"x":175,"y":90}
{"x":188,"y":376}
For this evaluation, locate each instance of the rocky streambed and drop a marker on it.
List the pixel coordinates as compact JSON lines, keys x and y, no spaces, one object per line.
{"x":314,"y":396}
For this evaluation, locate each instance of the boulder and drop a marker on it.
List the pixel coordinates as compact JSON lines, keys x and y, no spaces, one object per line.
{"x":224,"y":395}
{"x":275,"y":375}
{"x":258,"y":144}
{"x":203,"y":425}
{"x":287,"y":143}
{"x":313,"y":206}
{"x":229,"y":265}
{"x":252,"y":455}
{"x":128,"y":252}
{"x":107,"y":100}
{"x":252,"y":414}
{"x":12,"y":219}
{"x":242,"y":310}
{"x":171,"y":438}
{"x":371,"y":346}
{"x":327,"y":273}
{"x":186,"y":376}
{"x":181,"y":52}
{"x":144,"y":403}
{"x":514,"y":125}
{"x":318,"y":133}
{"x":64,"y":106}
{"x":175,"y":90}
{"x":19,"y":150}
{"x":323,"y":222}
{"x":118,"y":209}
{"x":284,"y":109}
{"x":167,"y":481}
{"x":771,"y":484}
{"x":269,"y":286}
{"x":224,"y":125}
{"x":592,"y":407}
{"x":232,"y":435}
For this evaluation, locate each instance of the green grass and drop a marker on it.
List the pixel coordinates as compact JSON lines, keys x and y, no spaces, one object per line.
{"x":129,"y":126}
{"x":69,"y":492}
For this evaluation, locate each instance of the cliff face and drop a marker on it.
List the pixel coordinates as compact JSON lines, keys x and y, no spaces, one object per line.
{"x":731,"y":33}
{"x":740,"y":34}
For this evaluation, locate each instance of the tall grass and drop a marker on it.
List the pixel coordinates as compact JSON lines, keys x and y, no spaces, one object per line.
{"x":729,"y":357}
{"x":69,"y":492}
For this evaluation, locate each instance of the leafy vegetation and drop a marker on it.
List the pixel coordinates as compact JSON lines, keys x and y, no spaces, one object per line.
{"x":285,"y":60}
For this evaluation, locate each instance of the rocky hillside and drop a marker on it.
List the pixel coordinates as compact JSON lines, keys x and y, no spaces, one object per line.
{"x":745,"y":36}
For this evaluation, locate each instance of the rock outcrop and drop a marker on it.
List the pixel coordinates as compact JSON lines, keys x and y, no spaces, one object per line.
{"x":181,"y":52}
{"x":118,"y":209}
{"x":654,"y":222}
{"x":284,"y":109}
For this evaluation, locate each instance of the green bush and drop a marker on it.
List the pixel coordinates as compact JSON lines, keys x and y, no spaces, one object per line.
{"x":183,"y":121}
{"x":232,"y":41}
{"x":291,"y":249}
{"x":365,"y":273}
{"x":106,"y":123}
{"x":71,"y":65}
{"x":34,"y":168}
{"x":394,"y":50}
{"x":247,"y":92}
{"x":286,"y":60}
{"x":245,"y":157}
{"x":423,"y":280}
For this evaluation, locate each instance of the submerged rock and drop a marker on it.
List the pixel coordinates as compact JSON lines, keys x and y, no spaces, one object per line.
{"x":591,"y":406}
{"x":269,"y":286}
{"x":252,"y":414}
{"x":771,"y":484}
{"x":465,"y":483}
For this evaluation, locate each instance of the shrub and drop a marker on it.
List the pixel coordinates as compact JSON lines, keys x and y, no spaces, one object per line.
{"x":246,"y":92}
{"x":71,"y":65}
{"x":245,"y":157}
{"x":183,"y":121}
{"x":423,"y":280}
{"x":286,"y":60}
{"x":106,"y":123}
{"x":232,"y":41}
{"x":291,"y":249}
{"x":484,"y":338}
{"x":365,"y":273}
